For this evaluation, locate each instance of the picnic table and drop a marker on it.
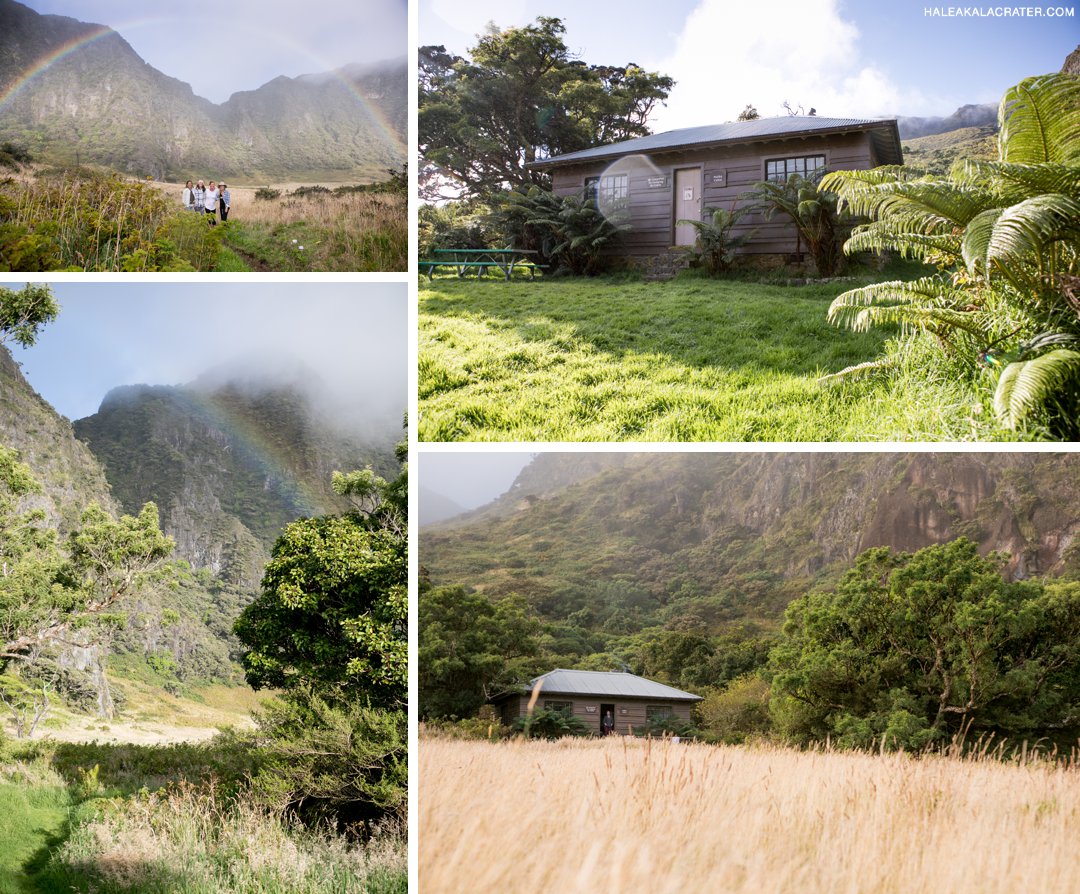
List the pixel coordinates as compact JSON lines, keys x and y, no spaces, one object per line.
{"x":481,"y":260}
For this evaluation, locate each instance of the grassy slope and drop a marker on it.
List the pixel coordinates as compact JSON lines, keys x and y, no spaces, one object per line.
{"x":686,"y":360}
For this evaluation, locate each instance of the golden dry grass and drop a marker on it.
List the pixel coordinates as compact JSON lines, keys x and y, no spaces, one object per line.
{"x":629,"y":815}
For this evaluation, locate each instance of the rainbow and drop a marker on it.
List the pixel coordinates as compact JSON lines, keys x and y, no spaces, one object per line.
{"x":98,"y":32}
{"x":45,"y":62}
{"x":253,"y":442}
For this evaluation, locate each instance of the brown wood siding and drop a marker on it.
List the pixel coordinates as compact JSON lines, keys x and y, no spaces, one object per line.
{"x":727,"y":173}
{"x":629,"y":713}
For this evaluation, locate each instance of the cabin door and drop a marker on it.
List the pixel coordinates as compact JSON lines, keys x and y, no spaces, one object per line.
{"x":687,"y":204}
{"x":607,"y":719}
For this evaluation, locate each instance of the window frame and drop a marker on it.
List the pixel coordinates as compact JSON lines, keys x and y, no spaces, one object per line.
{"x":789,"y":169}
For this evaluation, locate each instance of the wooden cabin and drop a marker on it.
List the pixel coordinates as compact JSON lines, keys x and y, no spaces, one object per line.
{"x":588,"y":695}
{"x":655,"y":181}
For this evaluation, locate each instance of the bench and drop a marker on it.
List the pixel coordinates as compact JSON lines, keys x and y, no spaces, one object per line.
{"x":481,"y":260}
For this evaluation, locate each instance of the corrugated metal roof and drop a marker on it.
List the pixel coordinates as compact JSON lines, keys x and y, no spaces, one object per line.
{"x":576,"y":682}
{"x":732,"y":131}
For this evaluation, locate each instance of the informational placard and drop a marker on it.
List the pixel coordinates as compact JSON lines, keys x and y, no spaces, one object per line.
{"x":718,"y":178}
{"x":657,"y":182}
{"x":688,"y":194}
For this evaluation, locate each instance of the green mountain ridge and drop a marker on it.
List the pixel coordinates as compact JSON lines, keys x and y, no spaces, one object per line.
{"x":101,"y":103}
{"x":701,"y":541}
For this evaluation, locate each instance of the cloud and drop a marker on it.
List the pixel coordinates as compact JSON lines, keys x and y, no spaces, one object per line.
{"x":219,"y":48}
{"x":768,"y":52}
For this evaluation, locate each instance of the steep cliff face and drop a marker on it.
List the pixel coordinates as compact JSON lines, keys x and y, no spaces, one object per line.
{"x":229,"y":464}
{"x":71,"y":476}
{"x":748,"y":531}
{"x":69,"y":85}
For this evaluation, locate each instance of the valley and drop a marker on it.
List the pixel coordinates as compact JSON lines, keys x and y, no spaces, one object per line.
{"x":96,"y":145}
{"x":134,"y":541}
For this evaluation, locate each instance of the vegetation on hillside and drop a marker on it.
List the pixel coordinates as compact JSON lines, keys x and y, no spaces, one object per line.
{"x":79,"y":219}
{"x":681,"y":568}
{"x":311,"y":801}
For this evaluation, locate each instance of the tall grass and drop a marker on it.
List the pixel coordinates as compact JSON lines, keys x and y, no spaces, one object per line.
{"x":654,"y":816}
{"x":187,"y":840}
{"x":339,"y":231}
{"x":81,"y":220}
{"x":124,"y":819}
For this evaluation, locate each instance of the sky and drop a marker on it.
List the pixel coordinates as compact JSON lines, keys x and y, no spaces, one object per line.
{"x":846,"y":58}
{"x":353,"y":336}
{"x":223,"y":47}
{"x":471,"y":479}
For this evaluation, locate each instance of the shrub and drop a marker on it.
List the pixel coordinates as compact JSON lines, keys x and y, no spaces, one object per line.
{"x":716,"y":246}
{"x":342,"y":764}
{"x":569,"y":232}
{"x":665,"y":727}
{"x":547,"y":723}
{"x":738,"y":712}
{"x":266,"y":194}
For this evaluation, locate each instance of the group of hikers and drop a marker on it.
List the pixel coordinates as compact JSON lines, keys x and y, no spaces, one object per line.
{"x":210,"y":200}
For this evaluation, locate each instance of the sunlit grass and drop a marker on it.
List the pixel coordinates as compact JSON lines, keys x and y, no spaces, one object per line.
{"x":687,"y":360}
{"x":573,"y":816}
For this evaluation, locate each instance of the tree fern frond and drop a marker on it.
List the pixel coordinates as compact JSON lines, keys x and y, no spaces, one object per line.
{"x":926,"y":303}
{"x":1040,"y":120}
{"x":860,"y":369}
{"x":1029,"y":227}
{"x":883,"y":235}
{"x":976,"y":240}
{"x":1019,"y":181}
{"x":1030,"y":385}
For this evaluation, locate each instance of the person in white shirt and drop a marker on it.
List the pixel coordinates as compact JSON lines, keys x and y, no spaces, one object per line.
{"x":188,"y":196}
{"x":210,"y":203}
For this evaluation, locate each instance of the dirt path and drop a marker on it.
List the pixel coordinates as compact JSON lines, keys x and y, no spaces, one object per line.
{"x":254,"y":262}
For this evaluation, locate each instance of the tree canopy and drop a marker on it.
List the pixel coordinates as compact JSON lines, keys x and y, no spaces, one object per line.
{"x":48,"y":589}
{"x":471,"y":648}
{"x":521,"y":96}
{"x":333,"y":610}
{"x":915,"y":648}
{"x":24,"y":312}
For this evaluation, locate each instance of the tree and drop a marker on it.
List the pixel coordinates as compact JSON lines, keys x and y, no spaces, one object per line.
{"x":470,"y":648}
{"x":814,"y":212}
{"x":519,"y":97}
{"x":912,"y":649}
{"x":23,"y":313}
{"x":330,"y":630}
{"x":1005,"y":237}
{"x":47,"y":591}
{"x":332,"y":615}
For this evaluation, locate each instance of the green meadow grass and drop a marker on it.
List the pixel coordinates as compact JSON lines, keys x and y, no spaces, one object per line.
{"x":690,"y":359}
{"x":98,"y":818}
{"x":33,"y":818}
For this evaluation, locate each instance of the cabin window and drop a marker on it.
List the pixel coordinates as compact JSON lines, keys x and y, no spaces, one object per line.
{"x":564,"y":707}
{"x":610,"y":191}
{"x":658,"y":712}
{"x":803,"y":165}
